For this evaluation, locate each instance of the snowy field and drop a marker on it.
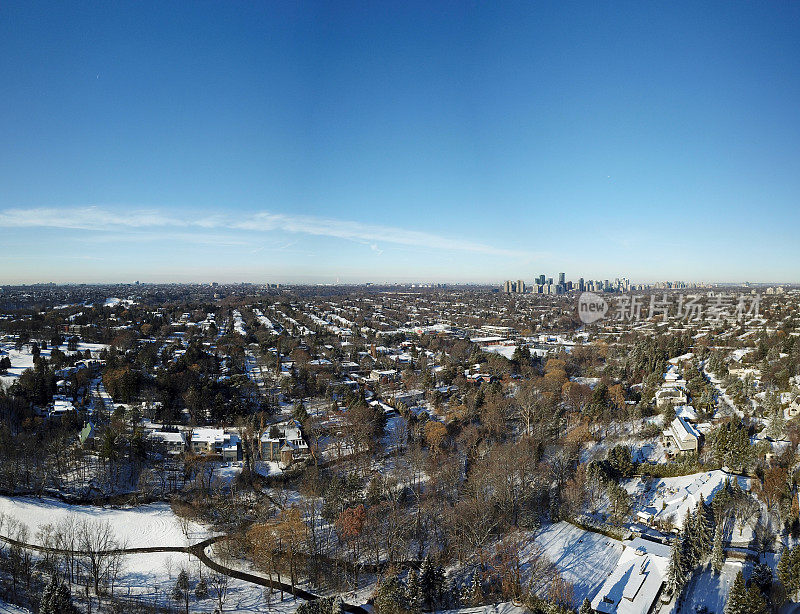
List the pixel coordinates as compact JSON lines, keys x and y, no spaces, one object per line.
{"x":627,"y":433}
{"x":583,"y":558}
{"x":148,"y":576}
{"x":23,"y":359}
{"x":141,"y":526}
{"x":114,"y":302}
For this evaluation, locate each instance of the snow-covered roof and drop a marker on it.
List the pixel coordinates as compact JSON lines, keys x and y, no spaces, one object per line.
{"x":208,"y":435}
{"x":167,"y":436}
{"x":491,"y":339}
{"x":635,"y":582}
{"x":683,"y":432}
{"x":678,"y":495}
{"x":687,"y":412}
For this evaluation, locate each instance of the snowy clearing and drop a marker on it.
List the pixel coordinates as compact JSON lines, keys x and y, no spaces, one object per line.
{"x":142,"y":526}
{"x":709,"y":589}
{"x":583,"y":558}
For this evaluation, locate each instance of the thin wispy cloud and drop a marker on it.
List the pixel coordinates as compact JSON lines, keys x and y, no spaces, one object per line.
{"x":85,"y":218}
{"x":372,"y":235}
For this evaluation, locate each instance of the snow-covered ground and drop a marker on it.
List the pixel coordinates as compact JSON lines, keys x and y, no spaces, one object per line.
{"x":267,"y":468}
{"x":153,"y":524}
{"x":495,"y":608}
{"x":507,"y":351}
{"x":709,"y":589}
{"x":113,"y":302}
{"x":23,"y":359}
{"x":583,"y":558}
{"x":628,"y":433}
{"x":7,"y":608}
{"x":147,"y":576}
{"x":672,"y":497}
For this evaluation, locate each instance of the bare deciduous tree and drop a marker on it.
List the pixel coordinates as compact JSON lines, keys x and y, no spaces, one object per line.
{"x":97,"y":542}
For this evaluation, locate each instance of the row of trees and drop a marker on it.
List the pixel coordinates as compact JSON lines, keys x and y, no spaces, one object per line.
{"x":88,"y":555}
{"x":690,"y":548}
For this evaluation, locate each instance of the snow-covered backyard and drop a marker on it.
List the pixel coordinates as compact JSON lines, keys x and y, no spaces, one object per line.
{"x":583,"y":558}
{"x":709,"y":589}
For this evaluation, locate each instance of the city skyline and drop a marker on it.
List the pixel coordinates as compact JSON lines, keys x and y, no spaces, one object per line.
{"x":447,"y":143}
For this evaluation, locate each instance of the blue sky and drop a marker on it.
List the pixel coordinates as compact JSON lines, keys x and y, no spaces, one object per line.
{"x":464,"y":141}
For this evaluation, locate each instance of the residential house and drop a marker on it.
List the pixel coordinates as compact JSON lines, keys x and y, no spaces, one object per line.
{"x":212,"y":441}
{"x":666,"y":397}
{"x":636,"y":582}
{"x":86,"y":434}
{"x":406,"y":397}
{"x":681,"y":437}
{"x":349,"y":366}
{"x":283,"y":443}
{"x":232,"y":449}
{"x":61,"y":407}
{"x":170,"y":442}
{"x":384,"y":376}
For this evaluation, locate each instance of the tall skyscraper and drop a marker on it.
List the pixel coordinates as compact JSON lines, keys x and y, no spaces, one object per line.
{"x":562,"y":278}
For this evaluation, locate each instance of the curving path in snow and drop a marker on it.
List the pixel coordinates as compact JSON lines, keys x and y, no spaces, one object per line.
{"x":136,"y":528}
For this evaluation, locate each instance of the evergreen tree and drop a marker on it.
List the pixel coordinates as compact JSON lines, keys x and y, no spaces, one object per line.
{"x":323,"y":605}
{"x":737,"y":597}
{"x":453,"y":595}
{"x":466,"y":594}
{"x":390,"y":597}
{"x":414,"y":592}
{"x":201,"y":590}
{"x":721,"y":502}
{"x":586,"y":607}
{"x":181,"y":590}
{"x":703,"y":530}
{"x":718,"y":554}
{"x":46,"y":604}
{"x":754,"y":601}
{"x":440,"y":582}
{"x":475,"y":590}
{"x":431,"y":580}
{"x":691,"y":546}
{"x":63,"y":600}
{"x":426,"y":580}
{"x":789,"y":570}
{"x":676,"y":574}
{"x":794,"y":559}
{"x":736,"y":490}
{"x":762,"y":577}
{"x":336,"y":605}
{"x":56,"y":599}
